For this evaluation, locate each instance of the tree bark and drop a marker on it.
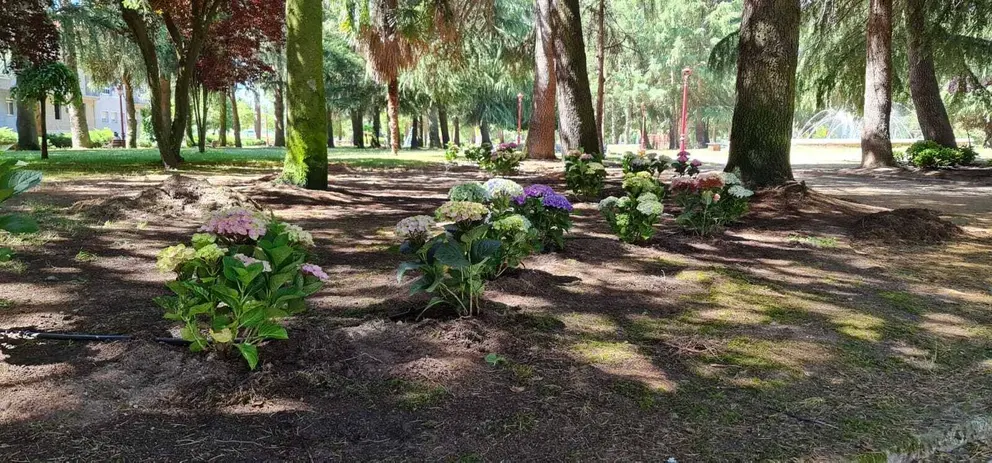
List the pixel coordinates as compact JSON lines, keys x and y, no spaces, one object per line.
{"x":279,"y":108}
{"x":601,"y":70}
{"x":258,"y":115}
{"x":375,"y":141}
{"x":77,"y":110}
{"x":201,"y":124}
{"x":541,"y":129}
{"x":222,"y":130}
{"x":923,"y":85}
{"x":876,"y":142}
{"x":433,"y":128}
{"x":358,"y":128}
{"x":458,"y":132}
{"x":235,"y":119}
{"x":132,"y":117}
{"x":414,"y":137}
{"x":761,"y":135}
{"x":306,"y":153}
{"x":44,"y":130}
{"x":577,"y":120}
{"x":330,"y":128}
{"x":393,"y":112}
{"x":485,"y":137}
{"x":442,"y":117}
{"x":27,"y":126}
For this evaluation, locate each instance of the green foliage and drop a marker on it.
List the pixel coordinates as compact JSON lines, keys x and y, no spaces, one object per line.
{"x":632,"y":217}
{"x":645,"y":162}
{"x":14,"y":181}
{"x":451,"y":153}
{"x":710,"y":201}
{"x":101,"y":137}
{"x":7,"y":137}
{"x":931,"y":155}
{"x":503,"y":160}
{"x":60,"y":140}
{"x":549,"y":218}
{"x":52,"y":80}
{"x":478,"y":153}
{"x":585,"y":174}
{"x":231,"y":288}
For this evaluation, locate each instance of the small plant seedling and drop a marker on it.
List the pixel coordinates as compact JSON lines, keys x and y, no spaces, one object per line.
{"x":495,"y":359}
{"x":85,"y":256}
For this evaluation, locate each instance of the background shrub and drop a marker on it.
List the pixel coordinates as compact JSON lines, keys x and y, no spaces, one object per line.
{"x":60,"y":140}
{"x":931,"y":155}
{"x":7,"y":136}
{"x":101,"y":137}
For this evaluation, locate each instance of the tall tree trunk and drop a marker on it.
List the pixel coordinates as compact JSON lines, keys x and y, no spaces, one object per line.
{"x":702,"y":133}
{"x":201,"y":123}
{"x":44,"y":130}
{"x":414,"y":137}
{"x":165,"y":86}
{"x":433,"y":128}
{"x":761,"y":135}
{"x":458,"y":132}
{"x":876,"y":142}
{"x":601,"y":70}
{"x":577,"y":120}
{"x":376,"y":140}
{"x":279,"y":108}
{"x":306,"y":153}
{"x":77,"y":110}
{"x":330,"y":128}
{"x":485,"y":137}
{"x":235,"y":119}
{"x":923,"y":86}
{"x":132,"y":116}
{"x":27,"y":126}
{"x":393,"y":112}
{"x":541,"y":129}
{"x":358,"y":128}
{"x":424,"y":127}
{"x":222,"y":131}
{"x":626,"y":124}
{"x":258,"y":114}
{"x":442,"y":118}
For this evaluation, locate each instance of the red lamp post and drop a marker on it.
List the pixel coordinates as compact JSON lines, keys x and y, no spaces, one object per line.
{"x":520,"y":114}
{"x":685,"y":106}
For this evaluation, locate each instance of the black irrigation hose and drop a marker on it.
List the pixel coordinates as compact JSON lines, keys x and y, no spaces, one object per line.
{"x":19,"y":334}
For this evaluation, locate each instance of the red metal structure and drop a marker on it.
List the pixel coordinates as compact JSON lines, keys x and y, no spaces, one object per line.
{"x":685,"y":107}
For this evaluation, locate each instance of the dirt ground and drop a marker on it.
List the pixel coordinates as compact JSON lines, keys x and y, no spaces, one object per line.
{"x":781,"y":339}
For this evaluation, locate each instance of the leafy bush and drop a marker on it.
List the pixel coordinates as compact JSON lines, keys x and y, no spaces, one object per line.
{"x":252,"y":142}
{"x":645,"y":162}
{"x":931,"y":155}
{"x":451,"y":153}
{"x":241,"y":274}
{"x":584,"y":174}
{"x":100,"y":138}
{"x":60,"y":140}
{"x":503,"y":160}
{"x":548,"y":213}
{"x":632,"y":217}
{"x":14,"y":181}
{"x":685,"y":167}
{"x":710,"y":201}
{"x":477,"y":153}
{"x":7,"y":137}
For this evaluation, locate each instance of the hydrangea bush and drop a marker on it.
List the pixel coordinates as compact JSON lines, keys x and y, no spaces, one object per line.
{"x":710,"y":201}
{"x":645,"y":162}
{"x":477,"y":153}
{"x":480,"y":239}
{"x":633,"y":217}
{"x":684,"y":166}
{"x":240,"y":274}
{"x":585,"y":174}
{"x":504,"y":159}
{"x":451,"y":152}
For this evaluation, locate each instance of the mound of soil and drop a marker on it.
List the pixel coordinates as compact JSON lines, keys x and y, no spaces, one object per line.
{"x":905,"y":226}
{"x":179,"y":196}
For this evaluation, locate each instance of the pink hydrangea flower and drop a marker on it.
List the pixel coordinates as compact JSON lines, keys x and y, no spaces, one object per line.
{"x":236,"y":224}
{"x":716,"y":198}
{"x":696,"y":163}
{"x":314,"y":270}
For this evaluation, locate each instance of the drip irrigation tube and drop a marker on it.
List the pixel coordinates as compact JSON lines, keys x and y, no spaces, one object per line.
{"x":21,"y":334}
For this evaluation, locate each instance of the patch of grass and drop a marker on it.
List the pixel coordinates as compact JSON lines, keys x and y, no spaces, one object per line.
{"x":817,"y":242}
{"x":643,"y":396}
{"x":695,"y":276}
{"x":904,"y":301}
{"x":520,"y":422}
{"x":13,"y":266}
{"x":413,"y":396}
{"x":607,"y":353}
{"x":540,"y":321}
{"x":6,"y":304}
{"x":85,"y":256}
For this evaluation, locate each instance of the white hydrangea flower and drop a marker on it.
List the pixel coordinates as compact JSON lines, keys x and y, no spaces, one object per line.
{"x":647,"y":197}
{"x":730,"y":178}
{"x":298,"y":235}
{"x":608,"y":203}
{"x":738,"y":191}
{"x":417,"y":227}
{"x":501,"y":187}
{"x":650,"y":208}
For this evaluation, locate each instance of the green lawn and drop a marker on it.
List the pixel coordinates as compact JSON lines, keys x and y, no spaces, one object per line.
{"x":73,"y":163}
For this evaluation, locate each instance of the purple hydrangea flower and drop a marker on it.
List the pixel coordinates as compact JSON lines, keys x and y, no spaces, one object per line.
{"x":534,"y":191}
{"x":696,"y":163}
{"x":314,"y":270}
{"x":556,"y":201}
{"x":236,"y":223}
{"x":683,"y":157}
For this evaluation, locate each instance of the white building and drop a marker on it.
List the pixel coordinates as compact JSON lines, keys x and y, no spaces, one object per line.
{"x":105,"y":109}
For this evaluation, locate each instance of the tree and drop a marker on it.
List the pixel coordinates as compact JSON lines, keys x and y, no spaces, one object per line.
{"x":768,"y":53}
{"x":577,"y":120}
{"x":38,"y":83}
{"x":28,"y":37}
{"x":925,"y":91}
{"x":541,"y":136}
{"x":876,"y":142}
{"x":306,"y":150}
{"x":72,"y":25}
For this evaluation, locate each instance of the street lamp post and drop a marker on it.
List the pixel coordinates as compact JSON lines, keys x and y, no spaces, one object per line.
{"x":520,"y":114}
{"x":685,"y":105}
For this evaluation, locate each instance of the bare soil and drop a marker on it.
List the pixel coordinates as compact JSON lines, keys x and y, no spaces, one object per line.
{"x":782,"y":338}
